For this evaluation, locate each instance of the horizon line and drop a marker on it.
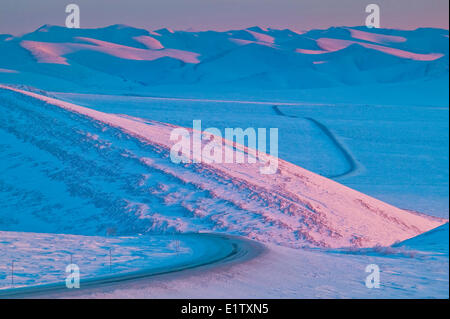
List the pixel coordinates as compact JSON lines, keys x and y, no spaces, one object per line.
{"x":191,"y":29}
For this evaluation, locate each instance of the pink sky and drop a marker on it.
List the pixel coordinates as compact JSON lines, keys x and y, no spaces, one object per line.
{"x":20,"y":16}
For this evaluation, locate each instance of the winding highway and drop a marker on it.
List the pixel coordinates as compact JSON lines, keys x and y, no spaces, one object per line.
{"x":220,"y":250}
{"x":352,"y":165}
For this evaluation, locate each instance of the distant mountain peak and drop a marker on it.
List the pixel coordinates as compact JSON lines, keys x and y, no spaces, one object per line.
{"x":164,"y":31}
{"x":46,"y":28}
{"x":258,"y":29}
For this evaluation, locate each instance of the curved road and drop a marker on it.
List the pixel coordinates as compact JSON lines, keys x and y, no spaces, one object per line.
{"x":222,"y":250}
{"x":352,"y":164}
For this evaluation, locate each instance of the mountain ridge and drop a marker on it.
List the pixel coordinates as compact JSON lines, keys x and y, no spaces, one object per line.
{"x":226,"y":58}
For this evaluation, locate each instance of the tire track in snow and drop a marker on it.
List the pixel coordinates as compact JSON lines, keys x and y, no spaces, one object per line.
{"x":351,"y":162}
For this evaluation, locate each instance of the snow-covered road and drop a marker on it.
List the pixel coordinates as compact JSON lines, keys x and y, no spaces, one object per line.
{"x":195,"y":251}
{"x":417,"y":268}
{"x":352,"y":164}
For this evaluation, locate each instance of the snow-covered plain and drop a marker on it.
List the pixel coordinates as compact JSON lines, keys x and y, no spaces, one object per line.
{"x":84,"y":150}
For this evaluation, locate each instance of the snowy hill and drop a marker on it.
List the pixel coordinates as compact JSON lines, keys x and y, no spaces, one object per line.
{"x":119,"y":55}
{"x":435,"y":240}
{"x":84,"y":171}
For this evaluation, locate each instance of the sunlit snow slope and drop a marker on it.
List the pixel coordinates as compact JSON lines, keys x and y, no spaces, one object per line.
{"x":120,"y":57}
{"x":71,"y":169}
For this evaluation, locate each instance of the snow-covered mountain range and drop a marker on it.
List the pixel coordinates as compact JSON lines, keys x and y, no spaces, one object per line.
{"x":116,"y":56}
